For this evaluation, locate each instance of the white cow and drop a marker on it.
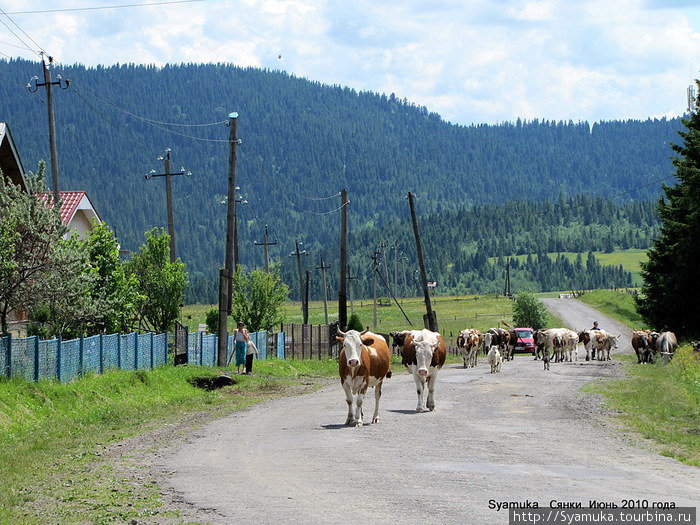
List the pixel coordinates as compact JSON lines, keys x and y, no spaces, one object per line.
{"x":494,"y":359}
{"x":423,"y":355}
{"x":570,"y":340}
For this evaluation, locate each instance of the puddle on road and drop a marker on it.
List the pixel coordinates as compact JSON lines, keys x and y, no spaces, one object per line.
{"x":553,"y":471}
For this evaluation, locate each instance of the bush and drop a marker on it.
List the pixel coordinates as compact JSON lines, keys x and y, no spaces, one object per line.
{"x":529,"y":311}
{"x":354,"y":323}
{"x":212,"y":320}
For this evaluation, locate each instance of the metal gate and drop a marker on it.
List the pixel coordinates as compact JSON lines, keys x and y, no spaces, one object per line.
{"x":180,"y":351}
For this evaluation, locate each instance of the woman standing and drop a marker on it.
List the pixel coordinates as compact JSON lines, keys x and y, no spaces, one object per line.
{"x":241,"y":339}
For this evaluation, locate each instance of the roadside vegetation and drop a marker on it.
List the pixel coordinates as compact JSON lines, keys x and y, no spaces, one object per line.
{"x":661,"y":403}
{"x":618,"y":305}
{"x":55,"y":465}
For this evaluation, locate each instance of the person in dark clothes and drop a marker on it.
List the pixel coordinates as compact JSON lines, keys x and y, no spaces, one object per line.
{"x":250,"y":352}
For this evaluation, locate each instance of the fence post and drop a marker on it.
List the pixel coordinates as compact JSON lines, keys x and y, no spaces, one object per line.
{"x":151,"y":350}
{"x":102,"y":355}
{"x":119,"y":351}
{"x":8,"y":356}
{"x":36,"y":358}
{"x":136,"y":351}
{"x":59,"y":356}
{"x":165,"y":350}
{"x":201,"y":348}
{"x":81,"y":356}
{"x":291,"y":326}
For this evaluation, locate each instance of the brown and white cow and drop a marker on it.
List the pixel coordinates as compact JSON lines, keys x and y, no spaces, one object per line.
{"x":570,"y":345}
{"x":468,"y":343}
{"x":602,"y":342}
{"x":424,"y":355}
{"x":552,"y":342}
{"x":364,"y":362}
{"x":498,"y":337}
{"x":642,"y":344}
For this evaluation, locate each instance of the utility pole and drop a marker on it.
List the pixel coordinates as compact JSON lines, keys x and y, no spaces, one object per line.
{"x":351,"y":278}
{"x":168,"y":196}
{"x":323,"y":269}
{"x":265,"y":245}
{"x":307,"y":291}
{"x":238,"y":200}
{"x":375,"y":270}
{"x":225,"y":287}
{"x":298,"y":253}
{"x":342,"y":295}
{"x":395,"y":249}
{"x":46,"y":68}
{"x":506,"y":288}
{"x":429,"y":319}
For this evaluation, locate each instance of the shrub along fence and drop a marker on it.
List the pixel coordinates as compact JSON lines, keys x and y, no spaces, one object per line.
{"x":32,"y":359}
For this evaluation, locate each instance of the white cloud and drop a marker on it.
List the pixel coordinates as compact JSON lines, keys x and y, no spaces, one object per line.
{"x":469,"y":60}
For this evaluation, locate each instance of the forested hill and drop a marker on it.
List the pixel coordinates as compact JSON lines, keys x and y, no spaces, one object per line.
{"x":302,"y":140}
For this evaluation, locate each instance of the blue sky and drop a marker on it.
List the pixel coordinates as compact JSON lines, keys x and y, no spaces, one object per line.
{"x":471,"y":61}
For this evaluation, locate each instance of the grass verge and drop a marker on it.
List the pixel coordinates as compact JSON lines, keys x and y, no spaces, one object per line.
{"x":53,"y":462}
{"x":618,"y":305}
{"x":661,"y":403}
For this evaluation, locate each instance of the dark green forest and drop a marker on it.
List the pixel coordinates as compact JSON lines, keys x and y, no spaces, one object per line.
{"x":579,"y":186}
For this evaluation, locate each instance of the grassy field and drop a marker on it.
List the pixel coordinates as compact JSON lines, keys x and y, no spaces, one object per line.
{"x":52,"y":468}
{"x":661,"y":403}
{"x":453,"y":313}
{"x":618,"y":305}
{"x":629,"y":259}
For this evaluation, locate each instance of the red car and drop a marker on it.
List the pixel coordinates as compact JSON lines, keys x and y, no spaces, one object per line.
{"x":525,"y":342}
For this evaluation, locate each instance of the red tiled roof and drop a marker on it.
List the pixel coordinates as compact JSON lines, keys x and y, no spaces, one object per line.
{"x":69,"y":203}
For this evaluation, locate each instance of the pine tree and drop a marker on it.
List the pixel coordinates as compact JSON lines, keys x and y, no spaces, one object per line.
{"x":671,"y":288}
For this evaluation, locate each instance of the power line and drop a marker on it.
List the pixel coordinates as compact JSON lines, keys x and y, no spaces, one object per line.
{"x":316,"y":198}
{"x":320,"y":212}
{"x":97,"y":8}
{"x":19,"y":38}
{"x":23,"y":32}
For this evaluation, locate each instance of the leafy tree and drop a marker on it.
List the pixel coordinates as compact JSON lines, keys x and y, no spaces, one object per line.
{"x":30,"y":245}
{"x":671,"y":286}
{"x":355,"y":323}
{"x":160,"y":283}
{"x":114,"y":290}
{"x":212,"y":320}
{"x":257,"y":298}
{"x":529,"y":311}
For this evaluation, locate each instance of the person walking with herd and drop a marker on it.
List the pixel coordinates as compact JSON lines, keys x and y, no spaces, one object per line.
{"x":241,"y":339}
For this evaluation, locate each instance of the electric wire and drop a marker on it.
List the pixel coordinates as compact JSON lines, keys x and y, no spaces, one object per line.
{"x":321,"y":212}
{"x":23,"y":32}
{"x":97,"y":8}
{"x":20,"y":39}
{"x":316,"y":198}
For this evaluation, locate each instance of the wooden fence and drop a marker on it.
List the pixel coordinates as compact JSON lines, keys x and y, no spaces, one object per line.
{"x":310,"y":341}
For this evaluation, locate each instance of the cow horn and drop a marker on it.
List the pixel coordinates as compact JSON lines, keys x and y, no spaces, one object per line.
{"x":340,"y":332}
{"x":364,"y":332}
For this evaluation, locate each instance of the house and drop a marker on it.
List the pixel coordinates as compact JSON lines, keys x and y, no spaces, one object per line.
{"x":10,"y":162}
{"x":77,"y":211}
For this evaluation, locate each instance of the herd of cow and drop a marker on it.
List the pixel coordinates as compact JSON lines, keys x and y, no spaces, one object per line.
{"x":365,"y":358}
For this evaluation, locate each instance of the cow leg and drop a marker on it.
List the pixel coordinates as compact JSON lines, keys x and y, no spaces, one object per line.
{"x":431,"y":390}
{"x":348,"y":398}
{"x":358,"y":410}
{"x":420,"y":386}
{"x":377,"y":397}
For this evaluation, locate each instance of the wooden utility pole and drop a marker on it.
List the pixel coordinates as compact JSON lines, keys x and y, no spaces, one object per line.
{"x":298,"y":253}
{"x":225,"y":285}
{"x":506,"y":288}
{"x":307,"y":291}
{"x":168,"y":197}
{"x":351,"y":278}
{"x":323,"y":269}
{"x":46,"y":69}
{"x":429,"y":319}
{"x":265,"y":245}
{"x":342,"y":295}
{"x":375,"y":270}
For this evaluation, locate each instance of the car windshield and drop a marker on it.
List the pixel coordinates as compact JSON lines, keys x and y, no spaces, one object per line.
{"x":524,"y":334}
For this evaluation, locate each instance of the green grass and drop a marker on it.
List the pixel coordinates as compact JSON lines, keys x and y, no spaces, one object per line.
{"x":629,"y":259}
{"x":618,"y":305}
{"x":661,"y":403}
{"x":54,"y":435}
{"x":453,"y":313}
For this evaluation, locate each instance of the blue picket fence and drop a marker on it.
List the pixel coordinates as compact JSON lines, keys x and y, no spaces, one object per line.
{"x":33,"y":359}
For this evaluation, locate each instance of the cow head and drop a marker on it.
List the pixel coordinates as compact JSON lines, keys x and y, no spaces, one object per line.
{"x":424,"y":355}
{"x":613,"y":340}
{"x":352,"y":344}
{"x":397,"y":338}
{"x":488,"y":338}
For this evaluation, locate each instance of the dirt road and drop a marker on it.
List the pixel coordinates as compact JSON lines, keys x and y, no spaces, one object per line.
{"x":521,"y":435}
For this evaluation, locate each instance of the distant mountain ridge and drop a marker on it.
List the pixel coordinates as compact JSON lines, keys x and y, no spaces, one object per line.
{"x":302,"y":141}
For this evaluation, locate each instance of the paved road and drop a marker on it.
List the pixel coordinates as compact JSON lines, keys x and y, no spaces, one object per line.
{"x":524,"y":434}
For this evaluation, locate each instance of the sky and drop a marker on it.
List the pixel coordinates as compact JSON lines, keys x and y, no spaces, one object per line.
{"x":471,"y":61}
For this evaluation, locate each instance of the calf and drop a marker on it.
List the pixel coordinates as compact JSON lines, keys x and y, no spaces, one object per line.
{"x":641,"y":342}
{"x":364,"y":362}
{"x":424,"y":355}
{"x":494,"y":359}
